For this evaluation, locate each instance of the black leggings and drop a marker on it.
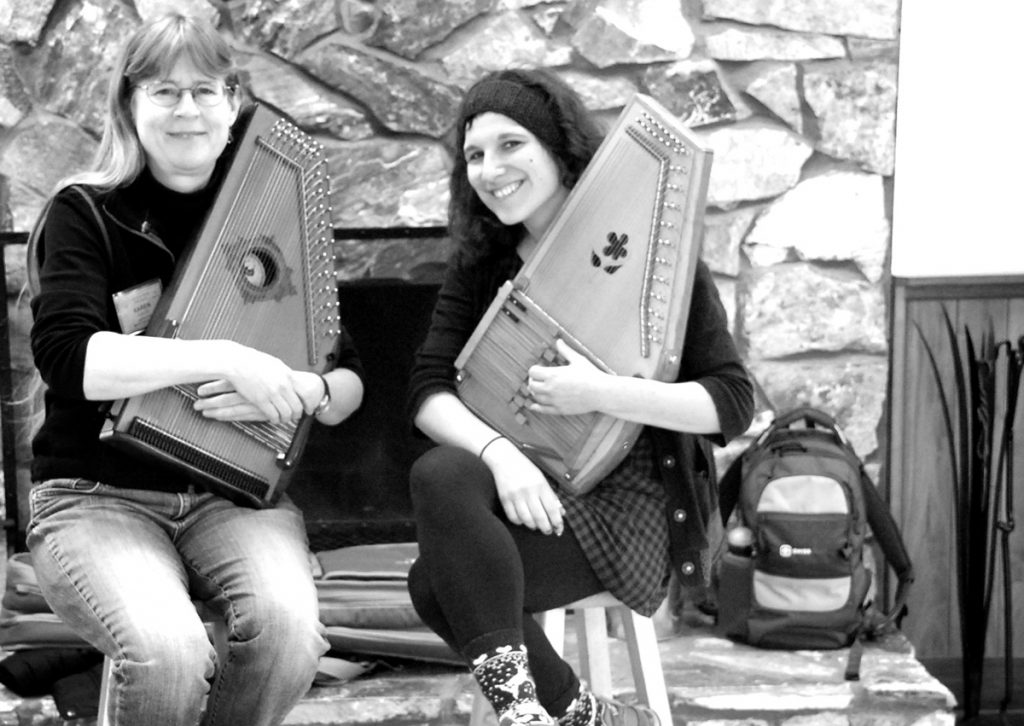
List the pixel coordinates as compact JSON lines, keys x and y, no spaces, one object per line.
{"x":478,"y":576}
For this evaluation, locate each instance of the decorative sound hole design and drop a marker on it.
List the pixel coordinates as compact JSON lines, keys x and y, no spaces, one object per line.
{"x":259,"y":270}
{"x":611,"y":252}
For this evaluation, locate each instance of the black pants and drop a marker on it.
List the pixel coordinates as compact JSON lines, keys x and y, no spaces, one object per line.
{"x":479,"y":577}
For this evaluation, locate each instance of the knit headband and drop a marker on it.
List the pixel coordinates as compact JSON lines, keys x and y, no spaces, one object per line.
{"x":525,"y":105}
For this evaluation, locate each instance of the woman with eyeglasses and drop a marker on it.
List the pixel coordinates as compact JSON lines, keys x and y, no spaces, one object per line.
{"x":123,"y":546}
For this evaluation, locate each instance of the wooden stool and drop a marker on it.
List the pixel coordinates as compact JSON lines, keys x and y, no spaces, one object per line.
{"x":220,"y":643}
{"x":595,"y":661}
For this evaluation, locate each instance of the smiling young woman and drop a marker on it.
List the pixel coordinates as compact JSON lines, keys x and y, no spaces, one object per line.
{"x":498,"y":539}
{"x":512,"y":173}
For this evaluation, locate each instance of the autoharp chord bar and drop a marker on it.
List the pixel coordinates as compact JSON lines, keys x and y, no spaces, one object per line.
{"x":520,"y":337}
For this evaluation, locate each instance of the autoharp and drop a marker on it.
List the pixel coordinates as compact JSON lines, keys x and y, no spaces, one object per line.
{"x":611,"y":277}
{"x":261,"y":273}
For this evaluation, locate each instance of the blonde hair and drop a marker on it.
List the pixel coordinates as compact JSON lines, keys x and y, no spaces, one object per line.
{"x":151,"y":52}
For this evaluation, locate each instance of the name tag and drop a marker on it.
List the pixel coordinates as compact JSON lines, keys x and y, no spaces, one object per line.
{"x":135,"y":305}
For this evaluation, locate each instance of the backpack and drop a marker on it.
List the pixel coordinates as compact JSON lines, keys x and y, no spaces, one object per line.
{"x":793,"y":575}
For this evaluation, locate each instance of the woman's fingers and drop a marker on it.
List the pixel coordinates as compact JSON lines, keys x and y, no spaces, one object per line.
{"x":212,"y":388}
{"x":541,"y":511}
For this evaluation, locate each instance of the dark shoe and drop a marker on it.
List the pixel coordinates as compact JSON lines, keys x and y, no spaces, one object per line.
{"x":616,"y":713}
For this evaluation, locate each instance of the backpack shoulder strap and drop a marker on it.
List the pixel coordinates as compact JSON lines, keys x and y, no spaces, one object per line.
{"x":888,"y":536}
{"x":34,"y":251}
{"x":729,"y":488}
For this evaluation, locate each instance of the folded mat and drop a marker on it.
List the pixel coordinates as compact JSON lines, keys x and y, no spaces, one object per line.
{"x":364,"y":604}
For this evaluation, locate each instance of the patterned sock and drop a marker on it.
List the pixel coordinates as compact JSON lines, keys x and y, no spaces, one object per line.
{"x":504,"y":677}
{"x":582,"y":711}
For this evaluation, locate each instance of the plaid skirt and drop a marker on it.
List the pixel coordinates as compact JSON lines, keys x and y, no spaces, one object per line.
{"x":621,"y":526}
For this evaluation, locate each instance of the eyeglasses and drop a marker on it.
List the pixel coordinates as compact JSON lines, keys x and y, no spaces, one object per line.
{"x":204,"y":93}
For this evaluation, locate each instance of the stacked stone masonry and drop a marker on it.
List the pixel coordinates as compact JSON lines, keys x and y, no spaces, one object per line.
{"x":796,"y":99}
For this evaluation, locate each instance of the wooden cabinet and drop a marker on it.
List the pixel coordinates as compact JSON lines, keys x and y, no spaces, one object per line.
{"x":917,"y":474}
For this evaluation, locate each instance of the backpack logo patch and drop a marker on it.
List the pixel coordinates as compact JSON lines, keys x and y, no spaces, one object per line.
{"x":791,"y":551}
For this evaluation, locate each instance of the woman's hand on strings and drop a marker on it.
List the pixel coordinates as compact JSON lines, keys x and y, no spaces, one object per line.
{"x":261,"y":389}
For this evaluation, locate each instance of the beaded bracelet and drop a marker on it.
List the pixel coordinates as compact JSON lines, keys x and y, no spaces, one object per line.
{"x":325,"y":402}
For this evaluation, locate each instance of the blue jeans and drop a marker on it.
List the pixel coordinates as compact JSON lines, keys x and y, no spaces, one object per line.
{"x":122,"y":567}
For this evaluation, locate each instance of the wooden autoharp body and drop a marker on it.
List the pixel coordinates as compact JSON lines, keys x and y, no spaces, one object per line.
{"x":261,"y":273}
{"x":611,"y":277}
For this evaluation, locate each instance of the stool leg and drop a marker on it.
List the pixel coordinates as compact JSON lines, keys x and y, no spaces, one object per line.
{"x":106,"y":683}
{"x":645,"y":660}
{"x":552,"y":622}
{"x":481,"y":709}
{"x":592,"y":639}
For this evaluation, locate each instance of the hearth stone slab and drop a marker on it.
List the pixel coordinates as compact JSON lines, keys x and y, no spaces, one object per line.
{"x":711,"y":682}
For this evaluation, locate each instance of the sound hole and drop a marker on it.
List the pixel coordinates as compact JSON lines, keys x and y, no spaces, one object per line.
{"x":259,"y":268}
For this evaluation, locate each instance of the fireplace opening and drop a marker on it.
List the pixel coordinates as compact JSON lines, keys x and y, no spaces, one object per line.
{"x":352,"y":480}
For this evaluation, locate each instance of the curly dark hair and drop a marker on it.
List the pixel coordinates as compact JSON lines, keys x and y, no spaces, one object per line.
{"x":476,"y":231}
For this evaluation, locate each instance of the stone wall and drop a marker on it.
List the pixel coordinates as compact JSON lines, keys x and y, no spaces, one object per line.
{"x":795,"y":97}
